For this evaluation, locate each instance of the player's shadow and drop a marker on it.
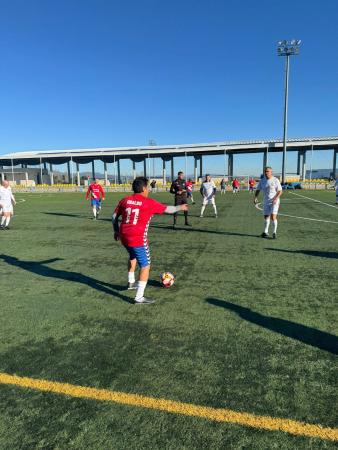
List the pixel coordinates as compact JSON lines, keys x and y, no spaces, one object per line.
{"x":76,"y":216}
{"x":321,"y":254}
{"x":154,"y":283}
{"x":40,"y":268}
{"x":307,"y":335}
{"x":201,"y":230}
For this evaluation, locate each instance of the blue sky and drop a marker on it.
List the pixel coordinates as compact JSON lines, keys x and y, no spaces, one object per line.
{"x":102,"y":73}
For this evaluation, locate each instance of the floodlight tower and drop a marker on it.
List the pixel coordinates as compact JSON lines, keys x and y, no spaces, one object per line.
{"x":287,"y":49}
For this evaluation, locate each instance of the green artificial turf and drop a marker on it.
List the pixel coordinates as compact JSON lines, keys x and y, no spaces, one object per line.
{"x":250,"y":324}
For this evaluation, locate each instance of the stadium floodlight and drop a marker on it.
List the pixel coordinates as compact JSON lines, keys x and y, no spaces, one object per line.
{"x":287,"y":49}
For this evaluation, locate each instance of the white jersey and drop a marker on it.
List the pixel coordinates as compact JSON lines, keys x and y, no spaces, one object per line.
{"x":208,"y":188}
{"x":269,"y":187}
{"x":6,"y":196}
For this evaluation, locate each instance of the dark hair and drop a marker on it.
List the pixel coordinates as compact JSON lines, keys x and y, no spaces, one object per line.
{"x":139,"y":183}
{"x":180,"y":172}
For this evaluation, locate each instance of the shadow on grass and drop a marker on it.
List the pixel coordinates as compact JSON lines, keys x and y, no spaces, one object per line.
{"x":307,"y":335}
{"x":321,"y":254}
{"x":40,"y":268}
{"x":201,"y":230}
{"x":76,"y":216}
{"x":103,"y":353}
{"x":154,"y":283}
{"x":88,"y":354}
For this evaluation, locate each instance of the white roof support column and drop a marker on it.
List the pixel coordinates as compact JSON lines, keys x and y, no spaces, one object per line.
{"x":303,"y":165}
{"x":334,"y":164}
{"x":195,"y":169}
{"x":78,"y":178}
{"x":105,"y":173}
{"x":164,"y":176}
{"x":51,"y":174}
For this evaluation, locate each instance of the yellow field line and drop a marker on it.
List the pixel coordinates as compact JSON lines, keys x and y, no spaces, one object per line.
{"x":188,"y":409}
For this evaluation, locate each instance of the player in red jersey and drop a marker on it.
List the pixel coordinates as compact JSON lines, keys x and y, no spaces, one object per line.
{"x":96,"y":193}
{"x":189,"y":186}
{"x":252,"y":184}
{"x":235,"y":186}
{"x":136,"y":211}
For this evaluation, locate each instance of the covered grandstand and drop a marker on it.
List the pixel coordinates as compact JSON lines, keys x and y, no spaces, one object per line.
{"x":46,"y":160}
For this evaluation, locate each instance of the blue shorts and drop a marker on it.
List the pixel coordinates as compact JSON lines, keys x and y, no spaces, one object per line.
{"x":95,"y":202}
{"x":189,"y":194}
{"x":141,"y":254}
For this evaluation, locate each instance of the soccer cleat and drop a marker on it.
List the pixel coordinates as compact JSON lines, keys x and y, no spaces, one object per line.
{"x":132,"y":286}
{"x":174,"y":226}
{"x":6,"y":228}
{"x":274,"y":236}
{"x":2,"y":227}
{"x":201,"y":216}
{"x":187,"y":224}
{"x":194,"y":203}
{"x":216,"y":216}
{"x":264,"y":235}
{"x":144,"y":301}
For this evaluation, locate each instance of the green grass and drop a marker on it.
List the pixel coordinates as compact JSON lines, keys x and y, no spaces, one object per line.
{"x":249,"y":325}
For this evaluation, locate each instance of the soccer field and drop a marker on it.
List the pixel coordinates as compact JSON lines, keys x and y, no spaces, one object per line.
{"x":249,"y":329}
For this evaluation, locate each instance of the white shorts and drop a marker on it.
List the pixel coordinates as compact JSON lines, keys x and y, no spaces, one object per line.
{"x":6,"y":208}
{"x":271,"y":208}
{"x":208,"y":200}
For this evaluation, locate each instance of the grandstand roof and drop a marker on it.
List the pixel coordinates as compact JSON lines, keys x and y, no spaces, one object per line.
{"x":165,"y":151}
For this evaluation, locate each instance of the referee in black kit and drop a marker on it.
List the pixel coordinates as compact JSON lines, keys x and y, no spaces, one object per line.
{"x":178,"y":188}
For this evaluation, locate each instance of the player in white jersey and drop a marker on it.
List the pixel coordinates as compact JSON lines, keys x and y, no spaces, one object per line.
{"x":208,"y":191}
{"x":272,"y":190}
{"x":7,"y":201}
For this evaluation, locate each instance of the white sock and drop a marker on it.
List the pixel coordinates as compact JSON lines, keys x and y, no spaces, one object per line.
{"x":267,"y":224}
{"x":215,"y":209}
{"x":8,"y":219}
{"x":3,"y":219}
{"x":94,"y":212}
{"x":192,"y":199}
{"x":131,"y":277}
{"x":140,"y":290}
{"x":275,"y":224}
{"x":202,"y":210}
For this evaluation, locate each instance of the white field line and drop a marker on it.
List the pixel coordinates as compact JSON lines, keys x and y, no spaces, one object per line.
{"x":293,"y":200}
{"x":299,"y":217}
{"x":314,"y":200}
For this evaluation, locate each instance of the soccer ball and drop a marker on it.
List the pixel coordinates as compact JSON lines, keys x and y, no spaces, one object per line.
{"x":167,"y":279}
